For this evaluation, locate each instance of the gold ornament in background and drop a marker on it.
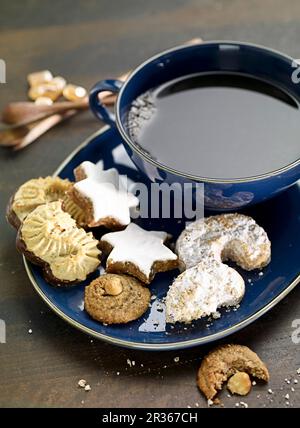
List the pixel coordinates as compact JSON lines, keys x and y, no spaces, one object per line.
{"x":45,"y":89}
{"x":74,"y":93}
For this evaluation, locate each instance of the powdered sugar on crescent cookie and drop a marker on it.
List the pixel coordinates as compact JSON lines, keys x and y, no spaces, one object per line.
{"x":228,"y":236}
{"x":201,"y":290}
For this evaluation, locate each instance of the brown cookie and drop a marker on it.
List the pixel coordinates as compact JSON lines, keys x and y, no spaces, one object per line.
{"x":39,"y":191}
{"x":116,"y":299}
{"x":138,"y":252}
{"x":223,"y":362}
{"x":49,"y":237}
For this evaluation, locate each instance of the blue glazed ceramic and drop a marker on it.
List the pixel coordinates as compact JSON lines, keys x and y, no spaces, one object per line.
{"x":256,"y":61}
{"x":280,"y":217}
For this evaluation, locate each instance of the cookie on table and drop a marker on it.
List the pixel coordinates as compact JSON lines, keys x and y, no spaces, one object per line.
{"x":235,"y":237}
{"x":225,"y":361}
{"x":102,"y":196}
{"x":199,"y":291}
{"x":50,"y":238}
{"x":138,"y":252}
{"x":39,"y":191}
{"x":116,"y":299}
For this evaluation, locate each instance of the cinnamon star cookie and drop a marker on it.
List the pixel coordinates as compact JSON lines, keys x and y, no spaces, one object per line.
{"x":103,"y":196}
{"x":138,"y":252}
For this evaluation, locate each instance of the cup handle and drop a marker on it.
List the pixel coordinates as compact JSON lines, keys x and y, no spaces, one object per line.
{"x":101,"y":112}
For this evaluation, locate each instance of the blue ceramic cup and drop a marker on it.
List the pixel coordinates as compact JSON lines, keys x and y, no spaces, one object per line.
{"x":253,"y":60}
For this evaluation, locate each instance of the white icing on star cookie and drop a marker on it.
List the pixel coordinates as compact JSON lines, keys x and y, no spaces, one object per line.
{"x":138,"y":252}
{"x":104,"y":196}
{"x":201,"y":290}
{"x":223,"y":237}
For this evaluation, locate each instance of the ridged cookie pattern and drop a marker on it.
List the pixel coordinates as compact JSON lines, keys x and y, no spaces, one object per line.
{"x":52,"y":236}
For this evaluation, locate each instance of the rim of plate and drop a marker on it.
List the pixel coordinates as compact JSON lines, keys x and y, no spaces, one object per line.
{"x":169,"y":169}
{"x":141,"y":345}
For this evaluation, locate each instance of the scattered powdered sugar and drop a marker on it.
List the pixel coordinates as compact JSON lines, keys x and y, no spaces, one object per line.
{"x":156,"y":321}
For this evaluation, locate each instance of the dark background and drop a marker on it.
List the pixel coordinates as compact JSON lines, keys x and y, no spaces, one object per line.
{"x":86,"y":41}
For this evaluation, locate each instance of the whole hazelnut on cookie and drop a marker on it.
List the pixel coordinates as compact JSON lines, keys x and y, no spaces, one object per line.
{"x":114,"y":286}
{"x":116,"y":299}
{"x":239,"y":383}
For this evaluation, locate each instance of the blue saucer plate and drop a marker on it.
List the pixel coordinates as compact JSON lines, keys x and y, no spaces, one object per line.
{"x":279,"y":216}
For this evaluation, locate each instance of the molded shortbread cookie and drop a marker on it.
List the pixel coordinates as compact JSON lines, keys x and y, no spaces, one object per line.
{"x":138,"y":252}
{"x":103,"y":197}
{"x":33,"y":193}
{"x":224,"y":237}
{"x":201,"y":290}
{"x":39,"y":191}
{"x":225,"y":361}
{"x":49,"y":237}
{"x":114,"y":299}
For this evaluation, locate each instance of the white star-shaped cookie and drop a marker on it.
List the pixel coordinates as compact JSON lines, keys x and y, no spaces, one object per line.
{"x":138,"y":252}
{"x":103,"y":196}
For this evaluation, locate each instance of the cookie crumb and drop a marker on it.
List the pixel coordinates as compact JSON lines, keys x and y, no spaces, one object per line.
{"x":82,"y":383}
{"x":216,"y":315}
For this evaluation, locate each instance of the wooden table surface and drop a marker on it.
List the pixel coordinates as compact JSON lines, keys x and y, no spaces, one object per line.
{"x":86,"y":41}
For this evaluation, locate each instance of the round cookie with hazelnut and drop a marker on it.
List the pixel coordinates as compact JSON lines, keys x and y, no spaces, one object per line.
{"x":116,"y":299}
